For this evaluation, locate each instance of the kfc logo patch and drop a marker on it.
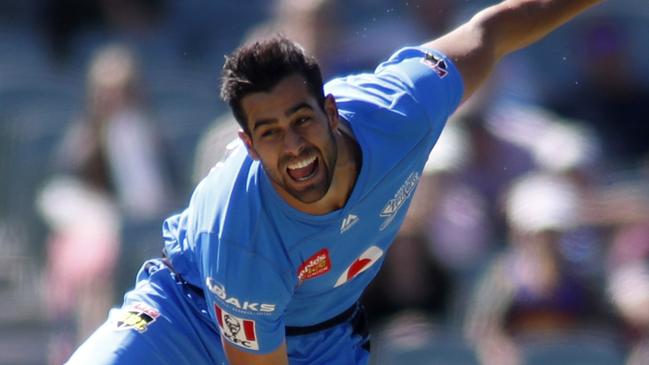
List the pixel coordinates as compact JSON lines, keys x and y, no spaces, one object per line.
{"x":314,"y":266}
{"x":362,"y":263}
{"x":238,"y":331}
{"x":437,"y":64}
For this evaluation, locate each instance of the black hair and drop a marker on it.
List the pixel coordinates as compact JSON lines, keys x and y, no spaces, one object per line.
{"x":260,"y":66}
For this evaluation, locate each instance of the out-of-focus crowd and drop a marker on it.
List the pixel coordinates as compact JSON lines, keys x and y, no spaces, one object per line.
{"x":527,"y":241}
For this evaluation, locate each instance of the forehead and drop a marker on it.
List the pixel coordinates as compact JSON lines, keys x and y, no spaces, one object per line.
{"x":274,"y":103}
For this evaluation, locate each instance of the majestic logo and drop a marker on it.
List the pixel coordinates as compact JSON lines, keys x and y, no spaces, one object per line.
{"x":362,"y":263}
{"x":314,"y":266}
{"x":348,"y":222}
{"x":241,"y":306}
{"x":437,"y":64}
{"x":238,"y":331}
{"x":392,"y":207}
{"x":138,"y":317}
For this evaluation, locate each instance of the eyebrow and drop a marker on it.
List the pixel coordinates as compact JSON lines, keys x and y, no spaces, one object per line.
{"x":288,"y":112}
{"x":297,"y":107}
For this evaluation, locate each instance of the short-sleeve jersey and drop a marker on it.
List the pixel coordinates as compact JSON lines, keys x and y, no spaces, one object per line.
{"x":265,"y":265}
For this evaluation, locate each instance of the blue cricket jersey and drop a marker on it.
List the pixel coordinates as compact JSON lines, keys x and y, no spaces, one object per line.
{"x":265,"y":265}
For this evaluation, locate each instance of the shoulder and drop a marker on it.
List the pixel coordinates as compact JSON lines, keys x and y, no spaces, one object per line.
{"x":228,"y":198}
{"x":398,"y":111}
{"x":410,"y":70}
{"x":229,"y":209}
{"x":223,"y":204}
{"x":413,"y":92}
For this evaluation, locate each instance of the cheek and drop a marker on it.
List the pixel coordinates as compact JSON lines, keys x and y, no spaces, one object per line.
{"x":321,"y":137}
{"x":327,"y":141}
{"x":268,"y":156}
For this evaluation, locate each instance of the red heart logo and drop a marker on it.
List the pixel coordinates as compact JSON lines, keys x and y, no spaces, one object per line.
{"x":357,"y":266}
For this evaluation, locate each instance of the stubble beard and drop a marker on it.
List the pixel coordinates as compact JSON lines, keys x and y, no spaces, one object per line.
{"x":312,"y":193}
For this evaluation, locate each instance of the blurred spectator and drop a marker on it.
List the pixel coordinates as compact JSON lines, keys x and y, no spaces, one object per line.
{"x":65,"y":19}
{"x":110,"y":165}
{"x":305,"y":21}
{"x":115,"y":147}
{"x":579,"y":160}
{"x":214,"y":144}
{"x":411,"y":280}
{"x":449,"y":209}
{"x":82,"y":251}
{"x":628,"y":286}
{"x":492,"y":164}
{"x":458,"y":198}
{"x":621,"y":201}
{"x":610,"y":97}
{"x":529,"y":290}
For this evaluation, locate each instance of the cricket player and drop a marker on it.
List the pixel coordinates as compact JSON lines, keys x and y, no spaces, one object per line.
{"x":268,"y":261}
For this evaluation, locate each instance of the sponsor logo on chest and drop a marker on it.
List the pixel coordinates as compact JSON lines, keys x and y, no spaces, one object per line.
{"x":243,"y":306}
{"x":316,"y":265}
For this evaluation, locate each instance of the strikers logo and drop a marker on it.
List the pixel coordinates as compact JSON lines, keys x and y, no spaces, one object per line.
{"x":392,"y":207}
{"x":437,"y":64}
{"x":139,"y":317}
{"x":238,"y":331}
{"x":314,"y":266}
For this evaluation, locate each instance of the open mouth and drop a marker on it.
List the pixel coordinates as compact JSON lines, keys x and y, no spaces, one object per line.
{"x":304,"y":169}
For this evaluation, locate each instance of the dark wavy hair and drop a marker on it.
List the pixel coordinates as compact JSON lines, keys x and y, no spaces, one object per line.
{"x":260,"y":66}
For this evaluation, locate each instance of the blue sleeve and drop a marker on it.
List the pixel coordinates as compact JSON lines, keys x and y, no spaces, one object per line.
{"x":399,"y":111}
{"x":428,"y":76}
{"x":248,"y":296}
{"x":420,"y":88}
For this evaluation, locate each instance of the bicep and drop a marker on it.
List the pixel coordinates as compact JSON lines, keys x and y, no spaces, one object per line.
{"x":470,"y":49}
{"x":240,"y":357}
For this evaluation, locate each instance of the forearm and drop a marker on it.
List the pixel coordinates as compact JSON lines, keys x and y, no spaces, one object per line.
{"x":476,"y":46}
{"x":238,"y":357}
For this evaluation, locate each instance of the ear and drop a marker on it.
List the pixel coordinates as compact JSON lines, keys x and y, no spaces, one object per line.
{"x":247,"y":140}
{"x":332,"y":111}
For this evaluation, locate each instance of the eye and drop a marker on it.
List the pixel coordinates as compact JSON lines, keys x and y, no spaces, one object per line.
{"x":269,"y":133}
{"x":302,"y":120}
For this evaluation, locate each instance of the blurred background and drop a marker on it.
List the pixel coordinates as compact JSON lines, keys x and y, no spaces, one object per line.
{"x":528,"y":238}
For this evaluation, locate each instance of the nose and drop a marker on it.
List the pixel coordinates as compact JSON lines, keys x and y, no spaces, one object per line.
{"x":293,"y":143}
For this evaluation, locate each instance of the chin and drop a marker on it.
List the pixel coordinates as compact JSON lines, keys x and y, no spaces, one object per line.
{"x":311,"y":193}
{"x":309,"y":196}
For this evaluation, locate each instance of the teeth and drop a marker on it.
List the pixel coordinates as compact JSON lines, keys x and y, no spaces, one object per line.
{"x":301,"y":164}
